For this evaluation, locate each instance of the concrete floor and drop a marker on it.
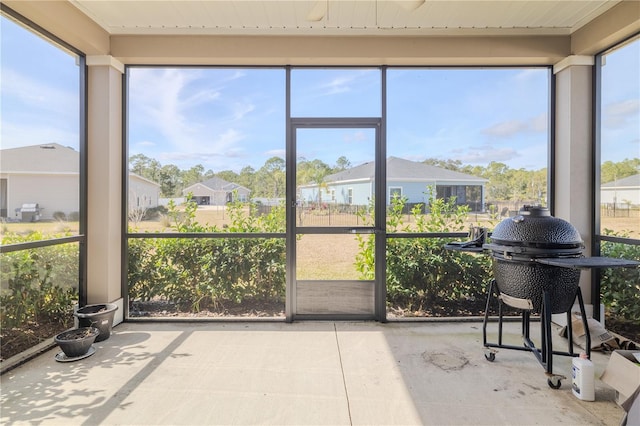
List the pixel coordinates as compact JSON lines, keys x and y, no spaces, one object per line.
{"x":310,"y":373}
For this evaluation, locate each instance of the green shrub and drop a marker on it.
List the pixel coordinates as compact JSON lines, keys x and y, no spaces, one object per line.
{"x":155,"y":212}
{"x":620,"y":287}
{"x":198,"y":273}
{"x":59,"y":216}
{"x":420,"y":271}
{"x":62,"y":259}
{"x":32,"y":297}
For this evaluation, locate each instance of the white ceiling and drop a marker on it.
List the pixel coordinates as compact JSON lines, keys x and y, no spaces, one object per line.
{"x":343,"y":17}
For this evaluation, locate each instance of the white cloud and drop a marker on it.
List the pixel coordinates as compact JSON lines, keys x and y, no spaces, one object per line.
{"x":15,"y":135}
{"x":486,"y":155}
{"x":342,"y":83}
{"x":506,"y":129}
{"x":39,"y":112}
{"x":337,"y":85}
{"x":171,"y":101}
{"x":38,"y":95}
{"x":539,"y":123}
{"x":275,"y":153}
{"x":527,"y":74}
{"x":357,"y":136}
{"x":510,"y":128}
{"x":241,"y":109}
{"x":618,"y":114}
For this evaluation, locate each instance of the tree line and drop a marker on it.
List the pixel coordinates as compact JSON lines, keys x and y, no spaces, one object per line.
{"x":504,"y":183}
{"x":268,"y":181}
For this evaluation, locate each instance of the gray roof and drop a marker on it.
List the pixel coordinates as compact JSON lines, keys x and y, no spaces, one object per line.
{"x":217,"y":184}
{"x":45,"y":158}
{"x":401,"y":169}
{"x":629,"y":181}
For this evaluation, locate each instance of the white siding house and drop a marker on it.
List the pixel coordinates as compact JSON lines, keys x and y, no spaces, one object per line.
{"x":143,"y":193}
{"x":216,"y":192}
{"x":621,"y":192}
{"x":410,"y":179}
{"x":48,"y":175}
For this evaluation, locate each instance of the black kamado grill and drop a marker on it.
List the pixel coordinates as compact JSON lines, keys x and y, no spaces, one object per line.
{"x":518,"y":243}
{"x":537,"y":260}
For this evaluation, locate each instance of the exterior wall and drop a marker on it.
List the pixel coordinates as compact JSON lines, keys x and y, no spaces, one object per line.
{"x":61,"y":193}
{"x":308,"y":195}
{"x":199,"y":190}
{"x":218,"y":198}
{"x":143,"y":194}
{"x":243,"y":194}
{"x":362,"y":192}
{"x":415,"y":192}
{"x":620,"y":195}
{"x":53,"y":193}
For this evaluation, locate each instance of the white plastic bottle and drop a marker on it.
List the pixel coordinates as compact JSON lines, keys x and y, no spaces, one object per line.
{"x":583,"y":378}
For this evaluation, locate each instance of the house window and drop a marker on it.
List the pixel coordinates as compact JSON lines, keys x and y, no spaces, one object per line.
{"x":350,"y":196}
{"x":395,"y":192}
{"x":333,"y":195}
{"x":444,"y":192}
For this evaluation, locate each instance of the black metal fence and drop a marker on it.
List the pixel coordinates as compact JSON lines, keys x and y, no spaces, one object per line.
{"x":619,"y":210}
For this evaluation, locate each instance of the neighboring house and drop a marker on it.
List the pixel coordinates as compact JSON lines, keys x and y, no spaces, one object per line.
{"x":621,"y":192}
{"x":405,"y":178}
{"x":143,"y":193}
{"x":216,"y":192}
{"x":47,"y":175}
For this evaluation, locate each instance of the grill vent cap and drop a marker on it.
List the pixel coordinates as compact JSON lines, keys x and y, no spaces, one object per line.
{"x":535,"y":227}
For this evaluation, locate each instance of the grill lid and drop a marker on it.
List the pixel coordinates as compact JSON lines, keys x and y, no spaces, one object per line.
{"x":534,"y":227}
{"x":29,"y":208}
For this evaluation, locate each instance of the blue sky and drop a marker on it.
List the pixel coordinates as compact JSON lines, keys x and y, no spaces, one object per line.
{"x":229,"y":118}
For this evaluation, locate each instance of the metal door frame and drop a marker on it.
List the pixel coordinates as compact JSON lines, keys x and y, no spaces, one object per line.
{"x":379,"y":228}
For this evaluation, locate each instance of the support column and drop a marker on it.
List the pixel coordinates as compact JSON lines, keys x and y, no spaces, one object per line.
{"x":574,"y":152}
{"x":104,"y":170}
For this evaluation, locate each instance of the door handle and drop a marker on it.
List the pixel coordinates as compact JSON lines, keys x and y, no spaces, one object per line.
{"x":364,"y":231}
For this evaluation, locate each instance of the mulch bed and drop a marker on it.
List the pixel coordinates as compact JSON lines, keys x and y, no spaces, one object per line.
{"x":16,"y":340}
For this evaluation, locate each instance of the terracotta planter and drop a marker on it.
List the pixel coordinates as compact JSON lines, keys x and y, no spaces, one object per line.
{"x":99,"y":316}
{"x":77,"y":342}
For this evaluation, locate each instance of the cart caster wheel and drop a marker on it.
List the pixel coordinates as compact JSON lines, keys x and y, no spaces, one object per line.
{"x":554,"y":383}
{"x":490,"y":356}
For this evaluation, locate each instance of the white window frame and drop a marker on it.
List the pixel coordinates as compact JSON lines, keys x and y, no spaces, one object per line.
{"x":393,"y":189}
